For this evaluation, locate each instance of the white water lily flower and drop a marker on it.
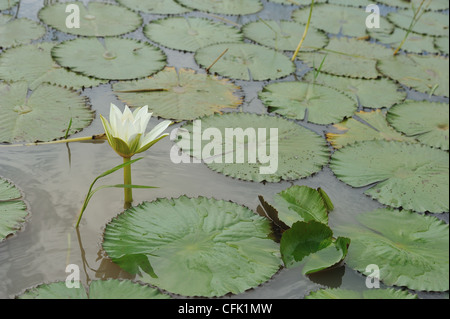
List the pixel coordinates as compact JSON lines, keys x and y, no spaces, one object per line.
{"x":126,"y":131}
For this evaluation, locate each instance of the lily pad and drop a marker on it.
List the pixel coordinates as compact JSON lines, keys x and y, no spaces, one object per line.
{"x":96,"y":19}
{"x":348,"y":57}
{"x":412,"y":176}
{"x":423,"y":73}
{"x":410,"y":249}
{"x":407,"y":4}
{"x":190,"y":33}
{"x":365,"y":126}
{"x":230,"y":7}
{"x":365,"y":92}
{"x":115,"y":59}
{"x":415,"y":43}
{"x":33,"y":63}
{"x":426,"y":121}
{"x":244,"y":61}
{"x":52,"y":107}
{"x":14,"y":32}
{"x":155,"y":6}
{"x":311,"y":245}
{"x":255,"y":147}
{"x":323,"y":105}
{"x":300,"y":203}
{"x":430,"y":23}
{"x":442,"y":45}
{"x":284,"y":35}
{"x":180,"y":94}
{"x":349,"y":21}
{"x":339,"y":293}
{"x":98,"y":289}
{"x":7,"y":4}
{"x":196,"y":246}
{"x":13,"y":209}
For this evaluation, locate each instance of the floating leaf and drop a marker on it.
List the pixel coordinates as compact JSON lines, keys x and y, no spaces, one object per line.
{"x":420,"y":72}
{"x":33,"y":63}
{"x":180,"y":95}
{"x":426,"y":121}
{"x":324,"y":105}
{"x":190,"y":33}
{"x":6,"y":4}
{"x":300,"y":203}
{"x":116,"y":59}
{"x":430,"y":23}
{"x":408,"y":4}
{"x":284,"y":35}
{"x":365,"y":126}
{"x":98,"y":289}
{"x":311,"y":244}
{"x":13,"y":210}
{"x":415,"y":43}
{"x":231,"y":7}
{"x":155,"y":6}
{"x":366,"y":92}
{"x":245,"y":61}
{"x":294,"y":151}
{"x":410,"y":249}
{"x":339,"y":293}
{"x":42,"y":115}
{"x":96,"y":19}
{"x":14,"y":32}
{"x":196,"y":246}
{"x":349,"y":57}
{"x":412,"y":176}
{"x":349,"y":21}
{"x":441,"y":44}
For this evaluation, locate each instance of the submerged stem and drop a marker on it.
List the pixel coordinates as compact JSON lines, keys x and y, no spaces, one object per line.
{"x":128,"y":192}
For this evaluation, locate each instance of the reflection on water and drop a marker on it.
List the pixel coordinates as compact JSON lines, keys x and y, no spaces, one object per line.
{"x":55,"y":179}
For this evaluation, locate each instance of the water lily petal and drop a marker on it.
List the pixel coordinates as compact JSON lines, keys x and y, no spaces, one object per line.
{"x":122,"y":147}
{"x":150,"y":144}
{"x":114,"y":118}
{"x":133,"y":142}
{"x":108,"y":130}
{"x":155,"y":132}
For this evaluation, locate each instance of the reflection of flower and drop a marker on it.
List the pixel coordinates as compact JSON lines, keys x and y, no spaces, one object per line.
{"x":126,"y":131}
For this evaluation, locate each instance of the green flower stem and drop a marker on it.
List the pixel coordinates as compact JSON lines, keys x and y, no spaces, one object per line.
{"x":304,"y":33}
{"x":127,"y":181}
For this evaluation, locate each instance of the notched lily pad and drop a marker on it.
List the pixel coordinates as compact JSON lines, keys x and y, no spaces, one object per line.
{"x":430,"y":23}
{"x":230,"y":7}
{"x":339,"y":293}
{"x":196,"y":246}
{"x":408,"y":4}
{"x":96,"y":19}
{"x":409,"y":249}
{"x":14,"y":32}
{"x":180,"y":94}
{"x":13,"y":209}
{"x":52,"y":107}
{"x":155,"y":6}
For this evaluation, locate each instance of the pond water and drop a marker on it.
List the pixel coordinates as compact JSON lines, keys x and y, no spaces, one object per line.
{"x":55,"y":179}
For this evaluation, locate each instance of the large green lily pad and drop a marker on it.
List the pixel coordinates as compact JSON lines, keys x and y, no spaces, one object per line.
{"x":255,"y":147}
{"x":14,"y":32}
{"x":98,"y":289}
{"x":339,"y":293}
{"x":349,"y":21}
{"x":365,"y":126}
{"x":348,"y":57}
{"x":245,"y":61}
{"x":407,"y":4}
{"x":42,"y":115}
{"x":231,"y":7}
{"x":426,"y":121}
{"x":155,"y":6}
{"x":365,"y":92}
{"x":190,"y":33}
{"x":284,"y":35}
{"x":415,"y":43}
{"x":430,"y":23}
{"x":324,"y":105}
{"x":409,"y":249}
{"x":311,"y":245}
{"x":96,"y":19}
{"x":13,"y":209}
{"x":412,"y":176}
{"x":6,"y":4}
{"x":424,"y":73}
{"x":195,"y":246}
{"x":33,"y":63}
{"x":115,"y":59}
{"x":180,"y":94}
